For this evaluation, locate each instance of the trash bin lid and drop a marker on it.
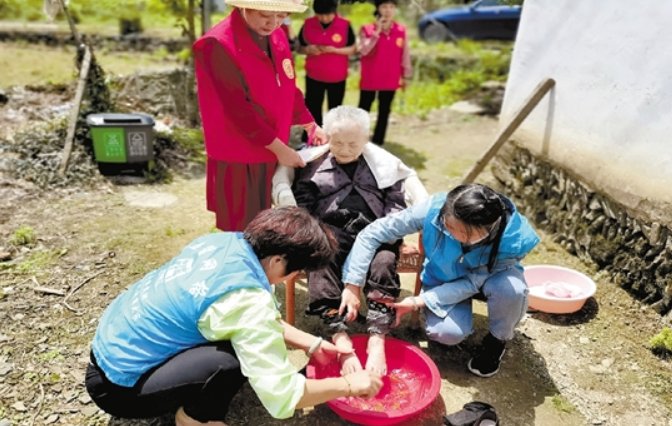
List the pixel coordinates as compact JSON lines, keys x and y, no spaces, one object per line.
{"x":110,"y":118}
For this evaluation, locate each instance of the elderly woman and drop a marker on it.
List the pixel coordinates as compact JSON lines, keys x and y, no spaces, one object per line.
{"x":348,"y":185}
{"x":187,"y":336}
{"x":248,"y":101}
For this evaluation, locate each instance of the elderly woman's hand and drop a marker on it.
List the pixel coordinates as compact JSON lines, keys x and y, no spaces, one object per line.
{"x":350,"y":302}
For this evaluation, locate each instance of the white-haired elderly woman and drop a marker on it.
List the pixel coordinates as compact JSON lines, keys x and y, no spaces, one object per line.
{"x":348,"y":184}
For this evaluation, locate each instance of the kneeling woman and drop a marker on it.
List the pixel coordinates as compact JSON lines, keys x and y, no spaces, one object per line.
{"x":474,"y":240}
{"x":186,"y":337}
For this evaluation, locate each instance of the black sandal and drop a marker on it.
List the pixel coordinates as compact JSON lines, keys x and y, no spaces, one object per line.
{"x":474,"y":413}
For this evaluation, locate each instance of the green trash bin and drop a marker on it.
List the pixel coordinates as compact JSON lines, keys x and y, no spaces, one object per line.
{"x":122,"y":138}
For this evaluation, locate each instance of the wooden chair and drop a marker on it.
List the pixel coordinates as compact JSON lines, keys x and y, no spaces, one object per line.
{"x":408,"y":263}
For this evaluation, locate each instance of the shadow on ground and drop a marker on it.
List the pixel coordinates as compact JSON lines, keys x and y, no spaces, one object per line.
{"x":587,"y":313}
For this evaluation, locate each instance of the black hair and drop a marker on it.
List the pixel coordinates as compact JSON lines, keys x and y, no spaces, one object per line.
{"x":379,"y":2}
{"x":305,"y":242}
{"x":325,"y":7}
{"x":477,"y":205}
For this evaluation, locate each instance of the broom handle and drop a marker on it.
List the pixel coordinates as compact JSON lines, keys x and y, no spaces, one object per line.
{"x":530,"y":103}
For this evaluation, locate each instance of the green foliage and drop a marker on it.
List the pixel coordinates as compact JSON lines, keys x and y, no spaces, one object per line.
{"x":37,"y":262}
{"x":451,"y":73}
{"x":358,"y":14}
{"x":174,"y":232}
{"x":191,"y":141}
{"x":562,"y":404}
{"x":23,"y":236}
{"x":661,"y":343}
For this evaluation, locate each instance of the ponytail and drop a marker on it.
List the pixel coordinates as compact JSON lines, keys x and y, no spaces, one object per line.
{"x":479,"y":206}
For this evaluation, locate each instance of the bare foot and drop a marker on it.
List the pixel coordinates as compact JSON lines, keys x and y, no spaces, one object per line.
{"x":183,"y":419}
{"x":376,"y":362}
{"x":349,"y":363}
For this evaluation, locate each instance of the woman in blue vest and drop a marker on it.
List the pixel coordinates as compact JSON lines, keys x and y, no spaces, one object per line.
{"x":474,"y":239}
{"x":186,"y":336}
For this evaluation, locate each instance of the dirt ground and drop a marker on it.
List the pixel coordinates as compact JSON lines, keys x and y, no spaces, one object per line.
{"x":592,"y":367}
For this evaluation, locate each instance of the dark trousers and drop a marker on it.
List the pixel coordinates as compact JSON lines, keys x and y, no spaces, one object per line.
{"x":385,"y":98}
{"x":315,"y":92}
{"x":382,"y":282}
{"x":203,"y":380}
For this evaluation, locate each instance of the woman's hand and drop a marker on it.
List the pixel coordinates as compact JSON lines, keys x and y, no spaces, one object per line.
{"x":327,"y":352}
{"x":364,"y":383}
{"x":407,"y":304}
{"x":350,"y":302}
{"x":316,"y":135}
{"x":312,"y":49}
{"x":286,"y":155}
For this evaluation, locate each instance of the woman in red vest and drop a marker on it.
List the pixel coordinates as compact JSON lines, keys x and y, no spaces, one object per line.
{"x":386,"y":64}
{"x":248,"y":101}
{"x":327,"y":39}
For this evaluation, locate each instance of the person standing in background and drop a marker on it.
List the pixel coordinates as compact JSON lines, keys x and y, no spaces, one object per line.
{"x":286,"y":27}
{"x":327,"y":39}
{"x":386,"y":64}
{"x":248,"y":101}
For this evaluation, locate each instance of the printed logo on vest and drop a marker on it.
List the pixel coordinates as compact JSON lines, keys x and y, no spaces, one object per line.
{"x":400,"y":41}
{"x":336,"y":38}
{"x":288,"y":68}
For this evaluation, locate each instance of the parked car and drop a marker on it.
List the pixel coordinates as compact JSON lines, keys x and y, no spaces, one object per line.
{"x":482,"y":19}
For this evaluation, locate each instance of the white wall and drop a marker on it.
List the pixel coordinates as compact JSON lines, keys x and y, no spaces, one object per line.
{"x":609,"y":118}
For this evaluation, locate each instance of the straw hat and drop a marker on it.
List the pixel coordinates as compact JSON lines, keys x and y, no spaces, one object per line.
{"x":270,"y":5}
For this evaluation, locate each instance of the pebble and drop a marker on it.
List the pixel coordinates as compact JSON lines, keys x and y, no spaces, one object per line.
{"x":584,"y":340}
{"x":51,"y":419}
{"x":89,"y":411}
{"x":19,"y":406}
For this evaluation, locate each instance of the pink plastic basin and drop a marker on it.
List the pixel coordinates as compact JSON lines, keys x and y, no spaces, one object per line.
{"x":557,"y":290}
{"x":411,"y":386}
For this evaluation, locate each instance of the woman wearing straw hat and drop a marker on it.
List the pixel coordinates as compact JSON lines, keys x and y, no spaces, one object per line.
{"x":248,"y":101}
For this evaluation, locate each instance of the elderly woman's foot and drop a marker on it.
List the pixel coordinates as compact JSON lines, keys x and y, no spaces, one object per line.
{"x":349,"y":363}
{"x":376,"y":362}
{"x":183,"y":419}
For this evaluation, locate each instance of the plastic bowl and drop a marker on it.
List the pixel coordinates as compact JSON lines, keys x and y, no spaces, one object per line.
{"x":416,"y":384}
{"x":557,"y":290}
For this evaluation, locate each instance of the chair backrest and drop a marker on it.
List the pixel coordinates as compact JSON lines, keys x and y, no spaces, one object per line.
{"x":415,"y":191}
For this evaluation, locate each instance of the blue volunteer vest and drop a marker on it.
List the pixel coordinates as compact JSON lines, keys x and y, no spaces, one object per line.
{"x":444,"y":259}
{"x":157,"y":317}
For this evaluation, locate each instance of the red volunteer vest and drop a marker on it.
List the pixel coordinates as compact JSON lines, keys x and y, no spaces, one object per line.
{"x":382,"y":67}
{"x":327,"y":67}
{"x":269,"y":84}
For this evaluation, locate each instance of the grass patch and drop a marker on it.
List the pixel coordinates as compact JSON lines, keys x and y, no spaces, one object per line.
{"x":661,"y":343}
{"x":561,"y":404}
{"x":37,"y":262}
{"x":410,"y":157}
{"x":23,"y":236}
{"x":23,"y":64}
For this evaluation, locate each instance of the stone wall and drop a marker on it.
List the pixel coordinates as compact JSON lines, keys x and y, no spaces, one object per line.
{"x":635,"y":251}
{"x":159,"y":93}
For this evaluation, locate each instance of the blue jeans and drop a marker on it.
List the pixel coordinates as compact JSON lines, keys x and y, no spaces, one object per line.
{"x":450,"y":321}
